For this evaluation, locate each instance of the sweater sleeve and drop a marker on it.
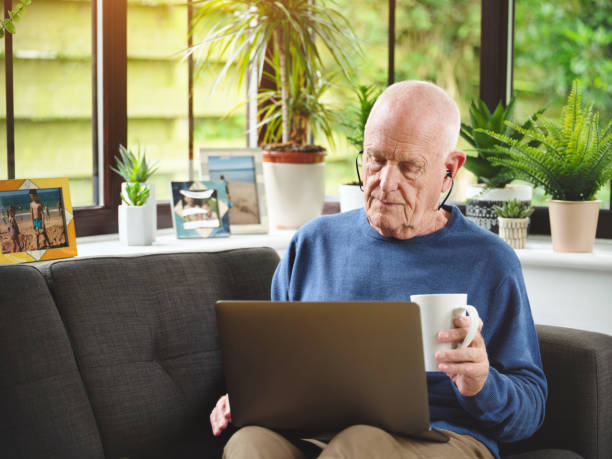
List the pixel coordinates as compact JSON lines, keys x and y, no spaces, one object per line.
{"x":511,"y":405}
{"x":282,"y":275}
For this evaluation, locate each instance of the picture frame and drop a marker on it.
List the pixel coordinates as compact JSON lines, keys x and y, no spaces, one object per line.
{"x":199,"y":209}
{"x":36,"y":220}
{"x":242,"y":171}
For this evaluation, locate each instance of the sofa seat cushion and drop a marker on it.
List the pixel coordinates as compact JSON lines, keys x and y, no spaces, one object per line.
{"x":145,"y":337}
{"x":44,"y":405}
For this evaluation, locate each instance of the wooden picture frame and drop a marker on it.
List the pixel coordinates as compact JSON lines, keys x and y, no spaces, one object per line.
{"x":199,"y":209}
{"x":36,"y":220}
{"x":242,"y":171}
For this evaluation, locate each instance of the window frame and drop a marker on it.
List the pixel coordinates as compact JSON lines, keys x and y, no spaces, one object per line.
{"x":109,"y":122}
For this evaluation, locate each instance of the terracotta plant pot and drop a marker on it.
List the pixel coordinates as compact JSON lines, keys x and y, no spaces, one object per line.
{"x":480,"y":201}
{"x":295,"y":187}
{"x":513,"y":231}
{"x":573,"y":225}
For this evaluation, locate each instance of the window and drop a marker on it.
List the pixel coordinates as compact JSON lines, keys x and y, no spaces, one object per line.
{"x":556,"y":43}
{"x":52,"y":80}
{"x":158,"y":85}
{"x":55,"y":116}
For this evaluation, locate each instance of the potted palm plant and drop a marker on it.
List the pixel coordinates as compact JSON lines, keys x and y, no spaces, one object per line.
{"x":572,"y":162}
{"x":133,"y":168}
{"x":290,"y":35}
{"x":351,"y":194}
{"x":493,"y":187}
{"x":513,"y":219}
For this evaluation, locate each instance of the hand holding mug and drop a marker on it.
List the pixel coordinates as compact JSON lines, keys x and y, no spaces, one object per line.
{"x":467,"y":366}
{"x":459,"y":352}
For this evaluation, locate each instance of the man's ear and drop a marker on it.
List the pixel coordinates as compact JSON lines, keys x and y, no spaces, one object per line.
{"x":454,"y":161}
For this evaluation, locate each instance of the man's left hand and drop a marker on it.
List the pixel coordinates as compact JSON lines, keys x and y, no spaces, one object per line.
{"x":467,"y":367}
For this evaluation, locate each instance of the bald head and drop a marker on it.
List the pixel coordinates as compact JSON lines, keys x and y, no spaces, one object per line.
{"x":418,"y":110}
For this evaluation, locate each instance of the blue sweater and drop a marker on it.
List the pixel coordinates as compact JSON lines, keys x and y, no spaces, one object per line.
{"x":342,"y":258}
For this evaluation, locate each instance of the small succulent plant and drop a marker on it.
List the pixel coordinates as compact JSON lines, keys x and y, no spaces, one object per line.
{"x":514,"y":209}
{"x":133,"y":167}
{"x":137,"y":194}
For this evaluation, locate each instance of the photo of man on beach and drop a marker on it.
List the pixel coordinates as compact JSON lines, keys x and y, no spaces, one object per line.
{"x":238,"y":174}
{"x":35,"y":220}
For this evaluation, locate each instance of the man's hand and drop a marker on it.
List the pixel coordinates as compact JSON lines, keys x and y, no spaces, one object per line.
{"x":220,"y":416}
{"x":467,"y":367}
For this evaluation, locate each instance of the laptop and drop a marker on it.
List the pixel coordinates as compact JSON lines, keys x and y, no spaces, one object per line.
{"x":314,"y":367}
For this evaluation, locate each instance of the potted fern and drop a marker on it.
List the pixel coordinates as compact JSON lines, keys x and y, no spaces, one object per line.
{"x":572,"y":162}
{"x":135,"y":225}
{"x":493,"y":180}
{"x":351,"y":194}
{"x":291,"y":35}
{"x":513,"y":218}
{"x":133,"y":168}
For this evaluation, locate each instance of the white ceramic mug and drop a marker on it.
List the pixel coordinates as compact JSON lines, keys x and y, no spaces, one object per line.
{"x":438,"y":312}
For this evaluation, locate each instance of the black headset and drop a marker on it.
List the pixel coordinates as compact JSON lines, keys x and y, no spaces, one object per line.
{"x":449,"y":174}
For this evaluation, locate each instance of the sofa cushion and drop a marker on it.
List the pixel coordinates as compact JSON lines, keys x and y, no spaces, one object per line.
{"x":145,"y":337}
{"x":578,"y":367}
{"x":44,"y":405}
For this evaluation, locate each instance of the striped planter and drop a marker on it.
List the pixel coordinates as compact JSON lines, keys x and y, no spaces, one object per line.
{"x":513,"y":231}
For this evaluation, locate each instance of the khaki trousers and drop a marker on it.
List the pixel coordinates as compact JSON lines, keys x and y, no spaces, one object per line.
{"x":355,"y":442}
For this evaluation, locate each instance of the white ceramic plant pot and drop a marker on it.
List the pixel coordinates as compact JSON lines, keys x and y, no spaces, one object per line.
{"x":480,"y":201}
{"x":573,"y":225}
{"x":135,"y":225}
{"x":351,"y":197}
{"x":295,"y":192}
{"x":150,"y":205}
{"x":513,"y":231}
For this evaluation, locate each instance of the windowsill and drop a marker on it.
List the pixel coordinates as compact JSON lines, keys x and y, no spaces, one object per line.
{"x":539,"y":253}
{"x":166,"y":241}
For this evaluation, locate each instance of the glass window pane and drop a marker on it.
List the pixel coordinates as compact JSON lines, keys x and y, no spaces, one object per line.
{"x":555,"y":43}
{"x":439,"y":41}
{"x":52,"y":72}
{"x":369,"y":19}
{"x":436,"y":40}
{"x":158,"y":94}
{"x":3,"y":164}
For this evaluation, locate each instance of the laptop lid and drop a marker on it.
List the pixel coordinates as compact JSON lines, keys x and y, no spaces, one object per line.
{"x":321,"y":367}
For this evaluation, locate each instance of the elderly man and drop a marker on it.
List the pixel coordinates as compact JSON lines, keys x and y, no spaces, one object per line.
{"x":405,"y":243}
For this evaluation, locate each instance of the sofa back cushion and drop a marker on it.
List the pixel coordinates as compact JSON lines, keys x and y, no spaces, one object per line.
{"x":44,"y":405}
{"x":145,"y":338}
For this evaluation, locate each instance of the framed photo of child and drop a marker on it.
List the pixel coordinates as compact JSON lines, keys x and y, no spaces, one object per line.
{"x":241,"y":171}
{"x":36,"y":220}
{"x":199,"y":209}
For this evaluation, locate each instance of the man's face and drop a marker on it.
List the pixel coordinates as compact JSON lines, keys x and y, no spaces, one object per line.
{"x":34,"y":197}
{"x":403,"y":178}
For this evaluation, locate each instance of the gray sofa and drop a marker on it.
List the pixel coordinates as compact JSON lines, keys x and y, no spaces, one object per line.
{"x":118,"y":357}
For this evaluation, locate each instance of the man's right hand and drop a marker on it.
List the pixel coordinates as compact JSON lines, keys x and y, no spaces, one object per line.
{"x":220,"y":416}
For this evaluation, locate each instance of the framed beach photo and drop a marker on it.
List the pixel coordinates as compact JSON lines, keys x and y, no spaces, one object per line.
{"x":241,"y":170}
{"x":36,"y":221}
{"x":200,"y":209}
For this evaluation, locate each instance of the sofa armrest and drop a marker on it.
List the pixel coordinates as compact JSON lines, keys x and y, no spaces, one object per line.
{"x":578,"y":366}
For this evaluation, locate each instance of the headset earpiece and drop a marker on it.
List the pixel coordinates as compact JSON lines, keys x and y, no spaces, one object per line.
{"x":448,"y":174}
